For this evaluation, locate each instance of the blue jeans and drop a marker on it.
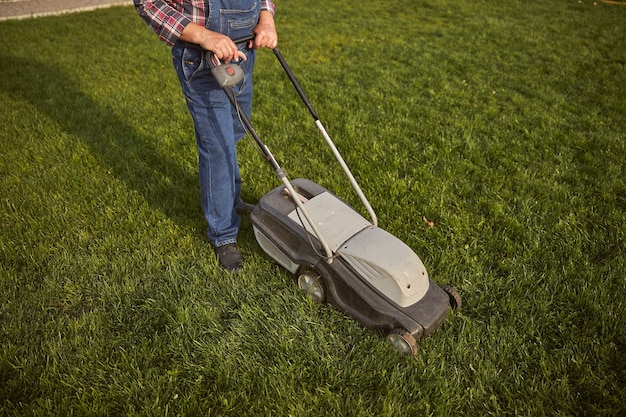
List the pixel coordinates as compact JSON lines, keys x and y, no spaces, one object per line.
{"x":216,"y":124}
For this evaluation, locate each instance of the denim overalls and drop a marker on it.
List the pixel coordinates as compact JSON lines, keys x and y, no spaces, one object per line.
{"x":216,"y":124}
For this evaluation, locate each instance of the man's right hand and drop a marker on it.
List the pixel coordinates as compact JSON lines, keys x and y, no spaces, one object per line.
{"x":221,"y":45}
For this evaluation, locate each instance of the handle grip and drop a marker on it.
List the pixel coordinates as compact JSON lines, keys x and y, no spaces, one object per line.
{"x":245,"y":38}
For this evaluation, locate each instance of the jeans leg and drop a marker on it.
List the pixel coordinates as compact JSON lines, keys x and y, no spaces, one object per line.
{"x":219,"y":173}
{"x":217,"y":133}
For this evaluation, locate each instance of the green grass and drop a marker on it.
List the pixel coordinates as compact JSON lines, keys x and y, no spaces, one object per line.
{"x":503,"y":122}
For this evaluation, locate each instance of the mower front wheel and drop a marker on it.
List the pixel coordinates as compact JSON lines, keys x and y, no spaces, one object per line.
{"x":310,"y":281}
{"x":403,"y":341}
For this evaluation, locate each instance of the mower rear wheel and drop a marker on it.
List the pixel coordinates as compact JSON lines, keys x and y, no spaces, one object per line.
{"x":310,"y":281}
{"x":403,"y":341}
{"x":455,"y":298}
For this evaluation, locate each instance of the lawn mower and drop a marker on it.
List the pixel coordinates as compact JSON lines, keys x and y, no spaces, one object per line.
{"x":337,"y":255}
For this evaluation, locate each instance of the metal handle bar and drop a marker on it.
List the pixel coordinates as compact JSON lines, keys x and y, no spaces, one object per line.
{"x":329,"y":141}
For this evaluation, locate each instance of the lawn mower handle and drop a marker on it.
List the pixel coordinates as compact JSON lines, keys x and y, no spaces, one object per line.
{"x":320,"y":127}
{"x":279,"y":171}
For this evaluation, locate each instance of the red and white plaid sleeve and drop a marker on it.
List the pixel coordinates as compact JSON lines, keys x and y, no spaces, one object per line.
{"x":268,"y":5}
{"x":167,"y":22}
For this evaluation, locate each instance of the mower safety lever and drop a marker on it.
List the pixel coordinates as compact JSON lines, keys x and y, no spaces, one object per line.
{"x":226,"y":74}
{"x":214,"y":62}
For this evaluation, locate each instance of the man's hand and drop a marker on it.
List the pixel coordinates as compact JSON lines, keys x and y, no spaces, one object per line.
{"x":265,"y":32}
{"x":221,"y":45}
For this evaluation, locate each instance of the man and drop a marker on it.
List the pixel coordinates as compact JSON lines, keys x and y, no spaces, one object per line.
{"x":189,"y":27}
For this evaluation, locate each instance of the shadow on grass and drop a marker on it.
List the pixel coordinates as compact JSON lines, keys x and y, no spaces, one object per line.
{"x":130,"y":156}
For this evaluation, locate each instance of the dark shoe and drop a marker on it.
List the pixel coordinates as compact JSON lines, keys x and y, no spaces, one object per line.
{"x":229,"y":257}
{"x":244,"y":208}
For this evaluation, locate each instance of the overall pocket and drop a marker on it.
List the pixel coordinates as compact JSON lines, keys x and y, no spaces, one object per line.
{"x":238,"y":18}
{"x":192,"y":62}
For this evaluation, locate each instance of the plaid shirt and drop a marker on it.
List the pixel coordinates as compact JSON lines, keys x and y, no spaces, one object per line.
{"x":168,"y":18}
